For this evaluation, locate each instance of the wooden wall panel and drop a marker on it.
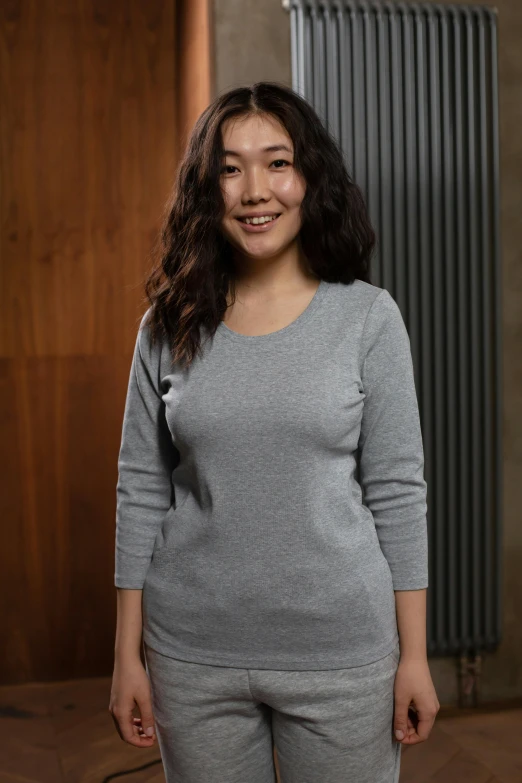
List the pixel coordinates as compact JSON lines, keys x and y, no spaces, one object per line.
{"x":89,"y":141}
{"x":195,"y":59}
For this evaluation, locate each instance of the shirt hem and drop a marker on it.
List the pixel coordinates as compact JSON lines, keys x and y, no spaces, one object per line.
{"x":295,"y":664}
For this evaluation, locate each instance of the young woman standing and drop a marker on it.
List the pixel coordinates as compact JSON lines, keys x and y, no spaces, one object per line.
{"x":281,"y":601}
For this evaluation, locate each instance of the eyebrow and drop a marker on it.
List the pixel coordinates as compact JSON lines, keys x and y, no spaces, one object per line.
{"x":273,"y":148}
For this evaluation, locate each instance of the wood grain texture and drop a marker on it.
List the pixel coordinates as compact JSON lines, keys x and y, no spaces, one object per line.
{"x":89,"y":143}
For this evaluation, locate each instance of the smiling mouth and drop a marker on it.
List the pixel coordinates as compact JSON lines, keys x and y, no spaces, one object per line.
{"x":272,"y":219}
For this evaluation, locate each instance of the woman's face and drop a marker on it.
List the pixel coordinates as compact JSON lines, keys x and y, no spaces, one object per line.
{"x":260,"y":181}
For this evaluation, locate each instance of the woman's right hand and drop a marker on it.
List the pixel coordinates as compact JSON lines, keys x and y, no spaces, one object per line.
{"x":131,"y":686}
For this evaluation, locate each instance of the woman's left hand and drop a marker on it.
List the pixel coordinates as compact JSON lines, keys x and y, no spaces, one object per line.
{"x":416,"y":703}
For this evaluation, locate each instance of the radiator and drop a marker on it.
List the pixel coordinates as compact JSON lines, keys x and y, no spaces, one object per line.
{"x":411,"y":93}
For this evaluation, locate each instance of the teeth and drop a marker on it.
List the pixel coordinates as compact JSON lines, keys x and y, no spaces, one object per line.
{"x":259,"y":220}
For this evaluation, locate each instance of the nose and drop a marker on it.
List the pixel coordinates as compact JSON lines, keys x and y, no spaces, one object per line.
{"x":256,"y":186}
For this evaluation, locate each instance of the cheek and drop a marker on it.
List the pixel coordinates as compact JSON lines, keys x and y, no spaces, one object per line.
{"x":228,"y":197}
{"x":291,"y":193}
{"x":231,"y":192}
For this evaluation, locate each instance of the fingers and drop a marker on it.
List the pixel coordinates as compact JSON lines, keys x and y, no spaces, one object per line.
{"x":130,"y":730}
{"x":418,"y":730}
{"x":424,"y":728}
{"x":400,"y":722}
{"x":146,"y":716}
{"x":140,"y":730}
{"x":409,"y":727}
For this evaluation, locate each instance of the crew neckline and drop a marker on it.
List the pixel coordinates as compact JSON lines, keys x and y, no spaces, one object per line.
{"x":301,"y":319}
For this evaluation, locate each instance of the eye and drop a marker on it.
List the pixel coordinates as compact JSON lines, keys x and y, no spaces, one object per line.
{"x":230,"y":166}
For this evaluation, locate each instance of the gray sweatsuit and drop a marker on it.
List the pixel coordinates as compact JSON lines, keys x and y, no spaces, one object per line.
{"x":238,"y":509}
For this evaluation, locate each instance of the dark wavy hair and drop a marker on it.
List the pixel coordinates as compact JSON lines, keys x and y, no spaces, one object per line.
{"x":188,"y":285}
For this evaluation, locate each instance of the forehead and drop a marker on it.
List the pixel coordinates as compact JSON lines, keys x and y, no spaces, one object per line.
{"x":253,"y":133}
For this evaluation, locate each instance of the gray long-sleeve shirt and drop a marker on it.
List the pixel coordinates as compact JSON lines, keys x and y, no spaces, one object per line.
{"x":238,"y":509}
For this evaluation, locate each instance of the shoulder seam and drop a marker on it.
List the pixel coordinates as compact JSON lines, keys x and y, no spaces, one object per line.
{"x":364,"y":328}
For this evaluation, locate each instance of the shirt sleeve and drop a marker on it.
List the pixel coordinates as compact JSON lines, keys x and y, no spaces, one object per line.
{"x":391,"y":456}
{"x":144,"y":490}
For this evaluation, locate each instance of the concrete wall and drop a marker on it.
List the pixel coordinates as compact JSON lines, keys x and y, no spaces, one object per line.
{"x":252,"y":43}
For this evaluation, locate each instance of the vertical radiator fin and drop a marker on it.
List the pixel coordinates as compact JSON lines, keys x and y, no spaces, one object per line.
{"x":410,"y":90}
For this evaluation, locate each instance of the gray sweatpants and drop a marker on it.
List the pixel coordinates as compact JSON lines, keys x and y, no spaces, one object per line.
{"x":217,"y":724}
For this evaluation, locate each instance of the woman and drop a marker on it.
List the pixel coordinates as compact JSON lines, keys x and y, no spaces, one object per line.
{"x":278,"y":607}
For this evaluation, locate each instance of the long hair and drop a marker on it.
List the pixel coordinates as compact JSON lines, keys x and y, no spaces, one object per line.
{"x":188,"y":286}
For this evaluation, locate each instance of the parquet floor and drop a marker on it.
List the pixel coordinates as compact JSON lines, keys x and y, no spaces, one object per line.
{"x":63,"y":733}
